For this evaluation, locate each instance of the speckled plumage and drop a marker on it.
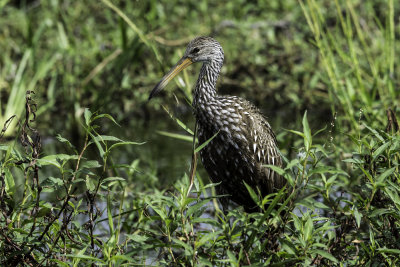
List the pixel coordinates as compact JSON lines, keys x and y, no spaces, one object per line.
{"x":245,"y":141}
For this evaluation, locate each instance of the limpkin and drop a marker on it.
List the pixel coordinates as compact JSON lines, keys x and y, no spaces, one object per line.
{"x":245,"y":142}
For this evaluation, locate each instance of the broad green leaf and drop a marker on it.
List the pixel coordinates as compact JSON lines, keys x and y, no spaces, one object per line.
{"x":137,"y":238}
{"x":51,"y":184}
{"x":380,"y":150}
{"x":307,"y":132}
{"x":232,"y":258}
{"x":205,"y":238}
{"x":206,"y":221}
{"x":55,"y":159}
{"x":357,"y":216}
{"x":196,"y":206}
{"x":252,"y":193}
{"x":109,"y":215}
{"x":90,"y":183}
{"x":354,"y":160}
{"x":389,"y":250}
{"x":276,"y":169}
{"x":324,"y":169}
{"x":123,"y":258}
{"x":393,"y":195}
{"x":379,"y":212}
{"x":160,"y":212}
{"x":321,"y":205}
{"x":9,"y":183}
{"x":99,"y":146}
{"x":385,"y":174}
{"x":59,"y":263}
{"x":377,"y":135}
{"x":326,"y":255}
{"x":308,"y":228}
{"x":87,"y":114}
{"x":84,"y":257}
{"x":188,"y":248}
{"x":90,"y":164}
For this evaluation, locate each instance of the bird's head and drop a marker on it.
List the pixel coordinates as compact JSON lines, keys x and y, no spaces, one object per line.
{"x":201,"y":49}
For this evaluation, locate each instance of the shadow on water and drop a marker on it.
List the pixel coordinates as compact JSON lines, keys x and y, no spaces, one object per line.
{"x":162,"y":158}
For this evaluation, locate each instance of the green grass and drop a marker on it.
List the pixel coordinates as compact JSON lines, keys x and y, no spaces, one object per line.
{"x":74,"y":191}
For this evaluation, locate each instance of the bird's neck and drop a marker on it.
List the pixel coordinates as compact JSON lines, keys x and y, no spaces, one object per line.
{"x":205,"y":89}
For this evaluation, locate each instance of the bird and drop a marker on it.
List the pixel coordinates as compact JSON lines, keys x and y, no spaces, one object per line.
{"x":243,"y":142}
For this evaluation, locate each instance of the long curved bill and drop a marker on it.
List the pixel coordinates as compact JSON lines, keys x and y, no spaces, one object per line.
{"x":182,"y":63}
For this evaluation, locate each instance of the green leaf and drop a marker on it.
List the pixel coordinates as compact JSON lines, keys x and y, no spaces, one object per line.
{"x":112,"y":179}
{"x":196,"y":207}
{"x":51,"y":184}
{"x":160,"y":212}
{"x":187,"y":247}
{"x":211,"y":185}
{"x":87,"y":114}
{"x":232,"y":258}
{"x":59,"y":263}
{"x":325,"y":169}
{"x":326,"y":255}
{"x":90,"y":184}
{"x":109,"y":215}
{"x":205,"y":238}
{"x":90,"y":164}
{"x":297,"y":132}
{"x":308,"y":229}
{"x":63,"y":140}
{"x":123,"y":258}
{"x":105,"y":116}
{"x":55,"y":159}
{"x":10,"y":184}
{"x":380,"y":150}
{"x":200,"y":147}
{"x":377,"y":135}
{"x":354,"y":160}
{"x":307,"y":132}
{"x":137,"y":238}
{"x":103,"y":138}
{"x":96,"y":141}
{"x":125,"y":143}
{"x":357,"y":216}
{"x":393,"y":195}
{"x":389,"y":250}
{"x":276,"y":169}
{"x":385,"y":174}
{"x":252,"y":193}
{"x":177,"y":136}
{"x":379,"y":212}
{"x":85,"y":257}
{"x":321,"y":205}
{"x":187,"y":129}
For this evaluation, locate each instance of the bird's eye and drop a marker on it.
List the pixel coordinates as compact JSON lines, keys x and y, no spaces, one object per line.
{"x":195,"y":50}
